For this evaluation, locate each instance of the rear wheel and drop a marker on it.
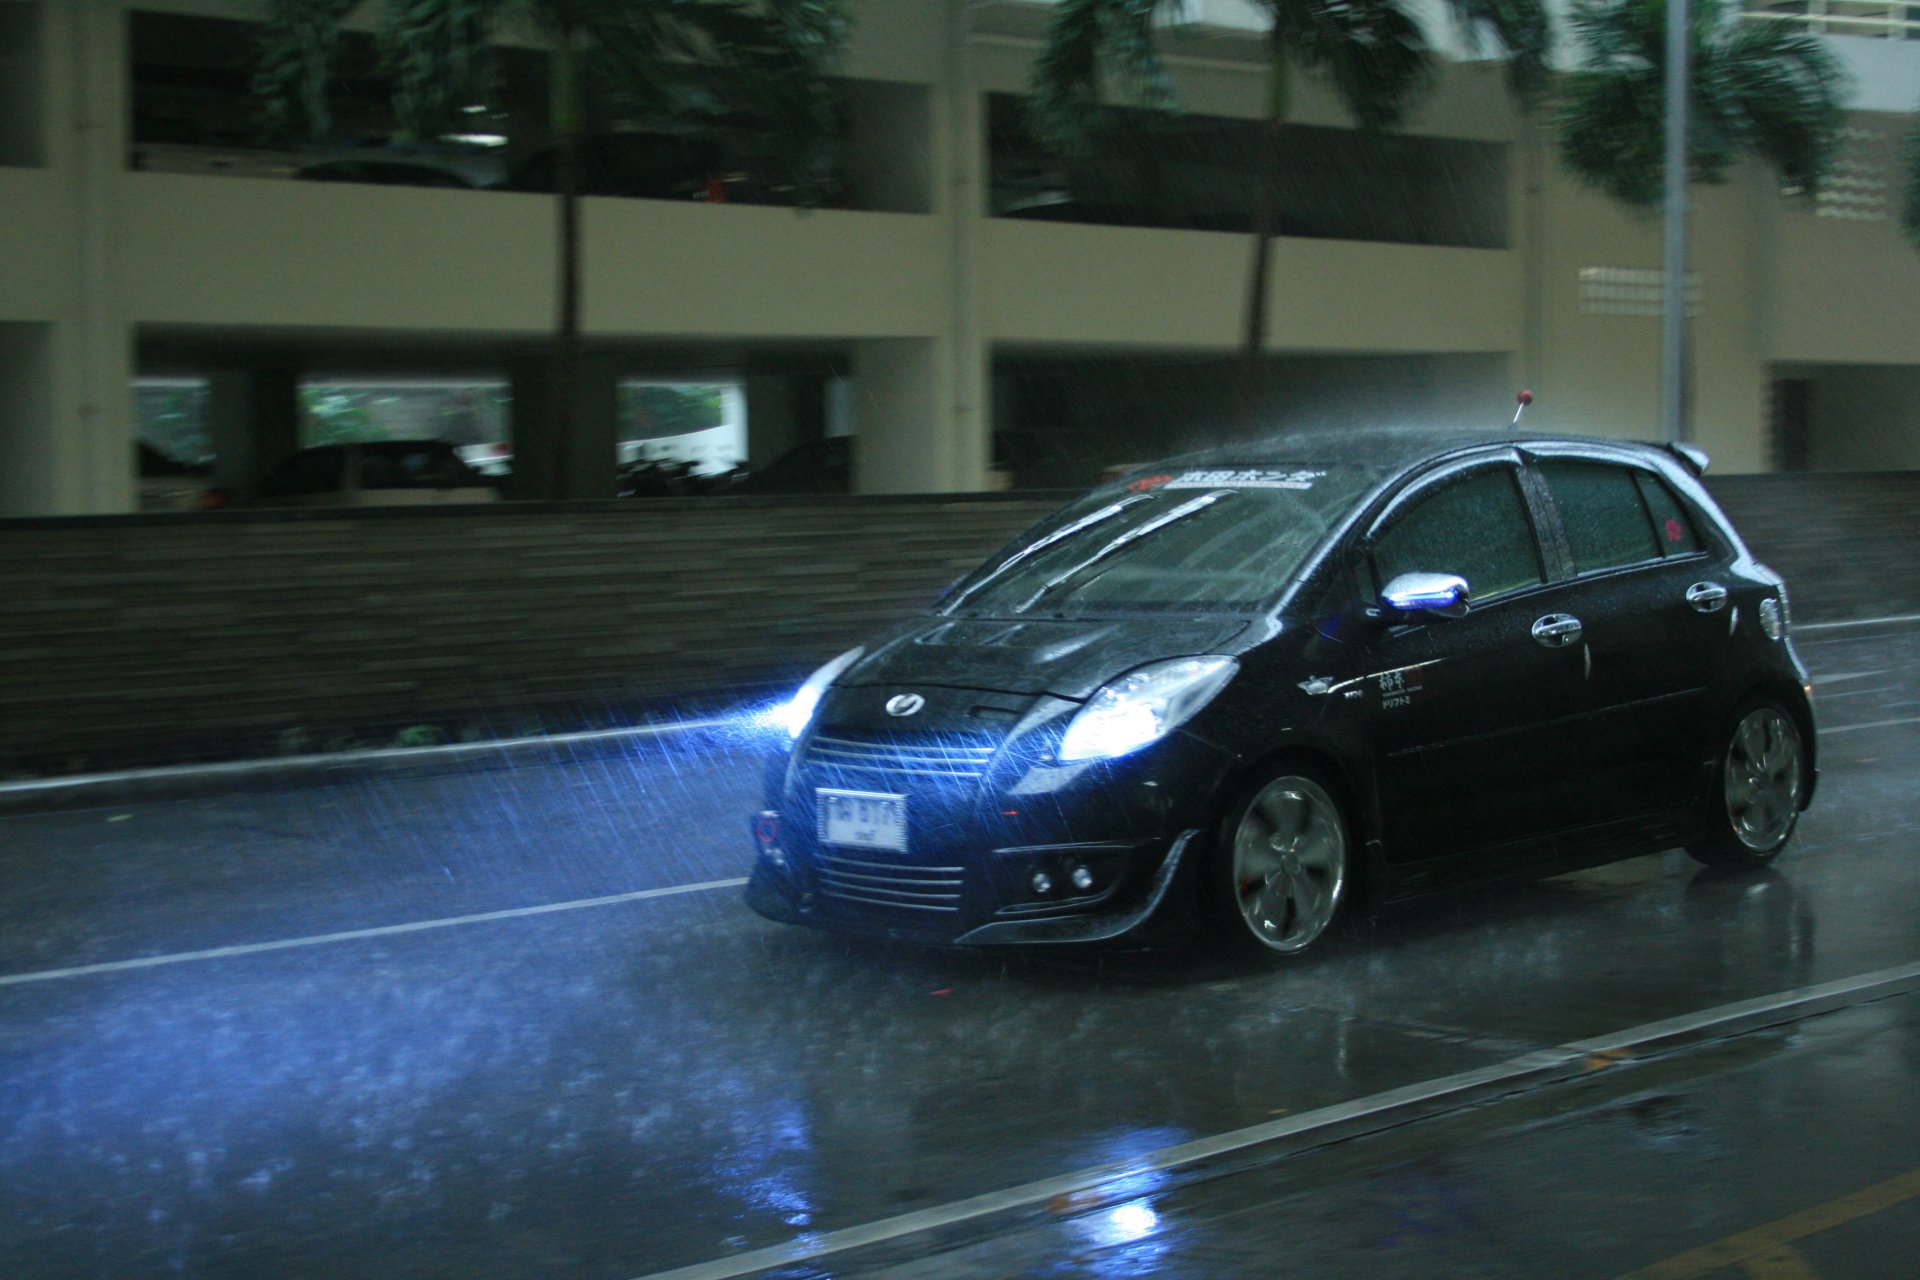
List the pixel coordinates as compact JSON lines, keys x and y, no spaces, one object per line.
{"x":1757,"y":788}
{"x":1280,"y":873}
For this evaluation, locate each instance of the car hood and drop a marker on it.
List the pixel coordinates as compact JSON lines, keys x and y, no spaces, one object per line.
{"x":1066,"y":658}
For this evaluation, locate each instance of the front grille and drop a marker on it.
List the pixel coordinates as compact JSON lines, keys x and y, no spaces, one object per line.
{"x":944,"y":759}
{"x":888,"y":884}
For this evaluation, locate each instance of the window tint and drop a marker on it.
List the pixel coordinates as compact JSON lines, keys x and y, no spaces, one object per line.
{"x":1607,"y":523}
{"x":1670,"y":519}
{"x":1476,"y":528}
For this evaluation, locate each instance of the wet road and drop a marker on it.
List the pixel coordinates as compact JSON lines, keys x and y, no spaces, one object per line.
{"x":516,"y":1022}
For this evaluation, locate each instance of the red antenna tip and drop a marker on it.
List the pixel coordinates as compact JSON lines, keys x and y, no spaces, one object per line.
{"x":1526,"y":397}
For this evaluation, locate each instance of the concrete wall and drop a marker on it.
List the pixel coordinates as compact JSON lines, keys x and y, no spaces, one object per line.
{"x":237,"y":634}
{"x":149,"y":638}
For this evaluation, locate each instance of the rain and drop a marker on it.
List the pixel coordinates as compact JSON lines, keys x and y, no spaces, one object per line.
{"x":423,"y":849}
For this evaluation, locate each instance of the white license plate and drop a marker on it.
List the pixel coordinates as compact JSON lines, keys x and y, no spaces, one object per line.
{"x":863,"y":819}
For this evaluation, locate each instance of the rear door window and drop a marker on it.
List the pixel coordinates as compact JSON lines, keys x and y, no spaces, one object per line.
{"x":1671,"y":523}
{"x":1606,"y":518}
{"x":1476,"y":527}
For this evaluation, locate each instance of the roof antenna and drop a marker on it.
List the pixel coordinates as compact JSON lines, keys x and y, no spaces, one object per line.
{"x":1526,"y":398}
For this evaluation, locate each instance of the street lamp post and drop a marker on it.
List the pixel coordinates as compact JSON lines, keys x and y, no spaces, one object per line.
{"x":1673,"y":370}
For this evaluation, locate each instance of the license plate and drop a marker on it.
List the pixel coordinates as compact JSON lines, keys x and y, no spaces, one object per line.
{"x":863,"y":819}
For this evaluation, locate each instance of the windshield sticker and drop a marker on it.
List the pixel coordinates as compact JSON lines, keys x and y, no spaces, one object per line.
{"x":1245,"y":478}
{"x":1145,"y":483}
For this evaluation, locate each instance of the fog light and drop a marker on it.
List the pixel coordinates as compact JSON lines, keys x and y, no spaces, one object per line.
{"x":1083,"y":878}
{"x":1042,"y":882}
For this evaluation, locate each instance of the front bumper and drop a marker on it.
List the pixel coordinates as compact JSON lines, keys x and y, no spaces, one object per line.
{"x":780,"y":891}
{"x":1000,"y":848}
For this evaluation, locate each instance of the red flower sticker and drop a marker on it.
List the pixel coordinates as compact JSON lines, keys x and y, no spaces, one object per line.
{"x":1675,"y":532}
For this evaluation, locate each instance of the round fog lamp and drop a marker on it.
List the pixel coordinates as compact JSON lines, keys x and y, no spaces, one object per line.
{"x":1042,"y":882}
{"x":1083,"y":878}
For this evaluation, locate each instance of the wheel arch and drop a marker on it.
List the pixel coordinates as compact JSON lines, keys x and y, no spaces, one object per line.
{"x":1326,"y":764}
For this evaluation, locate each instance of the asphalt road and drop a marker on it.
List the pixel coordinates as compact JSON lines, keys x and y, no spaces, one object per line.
{"x":516,"y":1022}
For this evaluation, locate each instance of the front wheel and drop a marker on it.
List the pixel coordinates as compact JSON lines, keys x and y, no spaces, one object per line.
{"x":1279,"y":874}
{"x":1758,"y":784}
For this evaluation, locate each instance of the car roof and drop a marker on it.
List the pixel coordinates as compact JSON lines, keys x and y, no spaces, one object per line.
{"x":1390,"y":449}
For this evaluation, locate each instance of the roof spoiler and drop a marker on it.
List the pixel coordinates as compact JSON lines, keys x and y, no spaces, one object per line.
{"x":1691,"y":456}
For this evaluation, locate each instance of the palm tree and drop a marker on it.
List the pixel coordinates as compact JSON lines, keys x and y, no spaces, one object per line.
{"x":657,"y":59}
{"x":1754,"y":90}
{"x":1374,"y":54}
{"x":1760,"y":90}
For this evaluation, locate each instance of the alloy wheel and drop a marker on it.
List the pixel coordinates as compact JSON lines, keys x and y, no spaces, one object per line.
{"x":1289,"y":863}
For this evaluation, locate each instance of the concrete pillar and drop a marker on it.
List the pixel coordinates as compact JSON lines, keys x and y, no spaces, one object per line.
{"x":92,"y":463}
{"x":771,"y":429}
{"x":591,"y":447}
{"x":967,"y":432}
{"x":253,"y":421}
{"x":900,"y":387}
{"x":27,"y":447}
{"x":923,"y":405}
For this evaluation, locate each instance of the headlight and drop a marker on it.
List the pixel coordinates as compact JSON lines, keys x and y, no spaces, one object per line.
{"x":798,"y":713}
{"x":1144,"y":706}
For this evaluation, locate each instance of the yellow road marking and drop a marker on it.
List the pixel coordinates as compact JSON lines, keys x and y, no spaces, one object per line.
{"x":1767,"y":1246}
{"x":1783,"y":1263}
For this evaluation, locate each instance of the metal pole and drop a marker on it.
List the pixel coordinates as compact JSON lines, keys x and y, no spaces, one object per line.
{"x":1673,"y":353}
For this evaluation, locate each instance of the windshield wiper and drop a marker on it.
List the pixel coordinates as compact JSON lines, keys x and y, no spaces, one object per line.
{"x":1065,"y":531}
{"x":1125,"y":540}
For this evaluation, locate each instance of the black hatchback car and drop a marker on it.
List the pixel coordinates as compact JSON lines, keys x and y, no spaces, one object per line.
{"x":1255,"y":688}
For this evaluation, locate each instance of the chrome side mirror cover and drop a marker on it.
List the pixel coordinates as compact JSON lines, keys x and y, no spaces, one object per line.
{"x":1441,"y":594}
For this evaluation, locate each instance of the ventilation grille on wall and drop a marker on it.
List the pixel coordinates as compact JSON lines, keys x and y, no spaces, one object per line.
{"x":1632,"y":291}
{"x":1858,"y":188}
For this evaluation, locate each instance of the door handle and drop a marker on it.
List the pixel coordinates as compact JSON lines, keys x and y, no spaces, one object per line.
{"x":1707,"y":597}
{"x":1557,"y":630}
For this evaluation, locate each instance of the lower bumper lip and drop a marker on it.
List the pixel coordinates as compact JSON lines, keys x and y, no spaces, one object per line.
{"x":775,"y":892}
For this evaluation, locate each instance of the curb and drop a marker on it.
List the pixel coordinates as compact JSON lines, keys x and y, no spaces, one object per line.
{"x":173,"y":782}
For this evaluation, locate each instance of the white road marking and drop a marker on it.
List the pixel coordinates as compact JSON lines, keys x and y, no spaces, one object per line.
{"x":1362,"y":1115}
{"x":1819,"y":680}
{"x":1877,"y":724}
{"x":355,"y":935}
{"x":344,"y":759}
{"x":1856,"y":622}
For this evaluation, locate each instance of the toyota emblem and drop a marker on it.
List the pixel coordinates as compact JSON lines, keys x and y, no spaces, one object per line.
{"x":905,"y":704}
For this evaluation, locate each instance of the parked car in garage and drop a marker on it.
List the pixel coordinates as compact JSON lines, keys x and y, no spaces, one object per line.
{"x":367,"y":473}
{"x":1257,"y":689}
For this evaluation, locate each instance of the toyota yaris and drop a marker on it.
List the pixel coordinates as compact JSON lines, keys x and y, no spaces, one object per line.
{"x":1251,"y":690}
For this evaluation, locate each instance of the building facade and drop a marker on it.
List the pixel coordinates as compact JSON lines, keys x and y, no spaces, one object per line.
{"x":966,"y":312}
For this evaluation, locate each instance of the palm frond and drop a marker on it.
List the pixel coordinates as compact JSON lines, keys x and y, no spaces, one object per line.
{"x":1087,"y":41}
{"x":1523,"y":33}
{"x":1758,"y":90}
{"x":294,"y":65}
{"x":1372,"y":51}
{"x":440,"y":54}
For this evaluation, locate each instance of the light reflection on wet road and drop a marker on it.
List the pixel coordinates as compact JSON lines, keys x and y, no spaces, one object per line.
{"x":624,"y":1088}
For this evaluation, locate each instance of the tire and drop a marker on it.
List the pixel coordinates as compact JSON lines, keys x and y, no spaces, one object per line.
{"x":1281,"y":870}
{"x":1758,"y":784}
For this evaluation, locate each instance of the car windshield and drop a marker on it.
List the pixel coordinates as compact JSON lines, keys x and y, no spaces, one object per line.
{"x":1213,"y":539}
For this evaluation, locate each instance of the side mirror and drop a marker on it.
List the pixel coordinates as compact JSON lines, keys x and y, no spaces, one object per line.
{"x":1441,"y":594}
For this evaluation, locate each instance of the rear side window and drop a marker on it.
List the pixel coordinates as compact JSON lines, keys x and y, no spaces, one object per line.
{"x":1476,"y":527}
{"x":1671,"y":523}
{"x":1606,"y":518}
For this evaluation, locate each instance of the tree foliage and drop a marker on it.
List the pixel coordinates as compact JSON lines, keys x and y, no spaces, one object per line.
{"x":648,"y":59}
{"x":1763,"y":90}
{"x":1374,"y":53}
